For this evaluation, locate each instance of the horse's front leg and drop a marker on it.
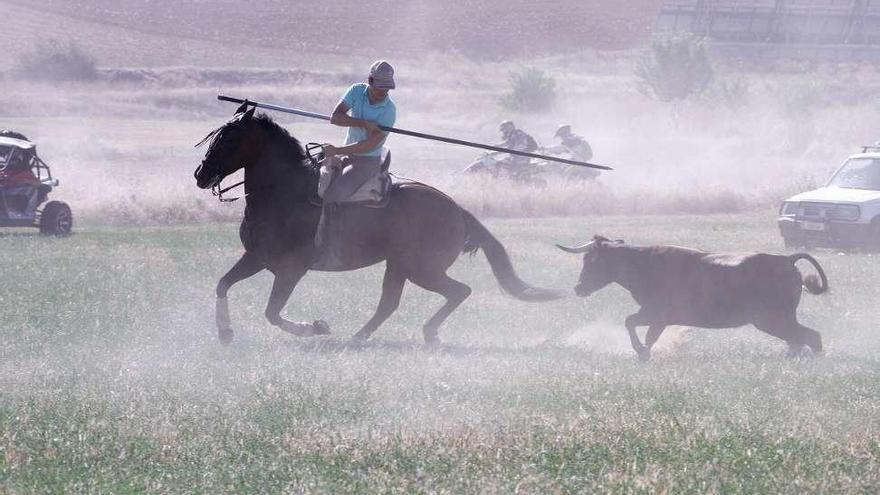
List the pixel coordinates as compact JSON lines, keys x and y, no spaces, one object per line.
{"x":286,"y":278}
{"x":247,"y":266}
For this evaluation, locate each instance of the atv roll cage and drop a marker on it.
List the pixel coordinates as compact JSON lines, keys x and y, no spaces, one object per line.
{"x":25,"y":183}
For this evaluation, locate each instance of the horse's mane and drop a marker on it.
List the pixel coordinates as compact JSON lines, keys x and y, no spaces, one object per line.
{"x":279,"y":135}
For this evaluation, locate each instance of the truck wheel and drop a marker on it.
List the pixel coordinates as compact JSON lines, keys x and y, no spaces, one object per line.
{"x":874,"y":236}
{"x":56,"y":219}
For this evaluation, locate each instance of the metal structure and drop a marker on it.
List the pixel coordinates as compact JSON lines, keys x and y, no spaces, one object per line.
{"x":814,"y":28}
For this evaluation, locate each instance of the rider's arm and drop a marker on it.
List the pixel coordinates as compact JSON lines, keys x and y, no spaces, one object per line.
{"x":341,"y":118}
{"x":373,"y":140}
{"x":375,"y":136}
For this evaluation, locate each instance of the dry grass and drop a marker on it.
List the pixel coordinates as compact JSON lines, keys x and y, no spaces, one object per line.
{"x":114,"y":382}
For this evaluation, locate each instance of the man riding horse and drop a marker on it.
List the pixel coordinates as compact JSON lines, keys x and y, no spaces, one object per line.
{"x":370,"y":106}
{"x":419,"y":233}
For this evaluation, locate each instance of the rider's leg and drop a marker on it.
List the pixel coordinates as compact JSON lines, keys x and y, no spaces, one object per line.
{"x":19,"y":198}
{"x":32,"y":196}
{"x":362,"y":169}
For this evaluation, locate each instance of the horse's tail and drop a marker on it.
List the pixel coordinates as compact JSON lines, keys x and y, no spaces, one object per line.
{"x":811,"y":282}
{"x":478,"y":237}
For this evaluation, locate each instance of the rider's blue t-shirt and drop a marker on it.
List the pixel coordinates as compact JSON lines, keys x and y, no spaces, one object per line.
{"x":383,"y":113}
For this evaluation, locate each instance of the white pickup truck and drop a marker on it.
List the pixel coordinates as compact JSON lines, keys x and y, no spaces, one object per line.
{"x":844,"y":213}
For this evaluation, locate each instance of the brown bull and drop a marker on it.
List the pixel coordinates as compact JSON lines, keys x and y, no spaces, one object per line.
{"x":679,"y":286}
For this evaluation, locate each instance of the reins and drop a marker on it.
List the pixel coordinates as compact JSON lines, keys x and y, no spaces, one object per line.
{"x":218,"y":192}
{"x":314,"y":160}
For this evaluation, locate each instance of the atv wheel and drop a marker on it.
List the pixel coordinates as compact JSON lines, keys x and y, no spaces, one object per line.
{"x":56,"y":219}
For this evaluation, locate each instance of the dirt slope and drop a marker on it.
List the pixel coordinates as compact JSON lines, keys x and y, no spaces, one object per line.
{"x":476,"y":28}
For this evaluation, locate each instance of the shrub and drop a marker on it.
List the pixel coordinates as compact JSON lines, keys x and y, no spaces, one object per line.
{"x":531,"y":90}
{"x":675,"y":67}
{"x":730,"y":91}
{"x":54,"y":60}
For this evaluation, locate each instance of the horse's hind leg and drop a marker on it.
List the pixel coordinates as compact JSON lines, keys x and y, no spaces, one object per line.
{"x":455,"y":293}
{"x":285,"y":281}
{"x":247,"y":266}
{"x":392,"y":288}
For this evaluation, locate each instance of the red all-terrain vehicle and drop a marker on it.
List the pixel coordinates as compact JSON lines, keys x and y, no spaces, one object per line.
{"x":25,"y":184}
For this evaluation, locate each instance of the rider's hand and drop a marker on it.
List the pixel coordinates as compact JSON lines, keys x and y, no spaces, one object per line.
{"x":370,"y":127}
{"x":329,"y":150}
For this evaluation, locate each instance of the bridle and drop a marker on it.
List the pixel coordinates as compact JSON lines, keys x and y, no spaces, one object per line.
{"x":314,"y":158}
{"x":218,"y":191}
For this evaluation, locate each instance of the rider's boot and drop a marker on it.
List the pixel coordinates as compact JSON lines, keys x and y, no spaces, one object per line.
{"x":328,"y":253}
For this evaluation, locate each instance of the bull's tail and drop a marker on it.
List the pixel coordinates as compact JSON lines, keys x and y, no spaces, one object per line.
{"x":478,"y":237}
{"x":815,"y":285}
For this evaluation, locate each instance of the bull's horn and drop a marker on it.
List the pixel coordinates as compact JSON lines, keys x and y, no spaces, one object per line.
{"x":575,"y":250}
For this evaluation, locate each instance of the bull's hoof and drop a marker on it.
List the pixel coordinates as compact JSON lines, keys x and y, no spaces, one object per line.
{"x":320,"y":327}
{"x":225,"y":335}
{"x":432,"y":342}
{"x":796,"y":352}
{"x":359,"y":338}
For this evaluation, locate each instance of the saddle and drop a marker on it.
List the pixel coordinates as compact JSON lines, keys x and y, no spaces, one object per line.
{"x":374,"y":193}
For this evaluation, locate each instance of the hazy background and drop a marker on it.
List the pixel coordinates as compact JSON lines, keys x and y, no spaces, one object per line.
{"x":112,"y":379}
{"x":160,"y":64}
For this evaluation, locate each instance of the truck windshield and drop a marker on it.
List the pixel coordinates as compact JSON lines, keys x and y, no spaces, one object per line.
{"x":858,"y":173}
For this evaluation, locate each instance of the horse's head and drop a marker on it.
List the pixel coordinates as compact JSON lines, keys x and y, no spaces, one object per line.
{"x":232,"y":146}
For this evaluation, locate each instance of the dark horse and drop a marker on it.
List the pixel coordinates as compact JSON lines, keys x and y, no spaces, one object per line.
{"x":419,"y":234}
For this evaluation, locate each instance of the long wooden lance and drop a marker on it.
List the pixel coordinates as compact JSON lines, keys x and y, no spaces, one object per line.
{"x":422,"y":135}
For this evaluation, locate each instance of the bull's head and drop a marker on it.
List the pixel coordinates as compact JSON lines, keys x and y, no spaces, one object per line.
{"x":230,"y":147}
{"x":599,"y":268}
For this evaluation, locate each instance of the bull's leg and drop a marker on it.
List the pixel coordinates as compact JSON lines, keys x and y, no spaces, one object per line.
{"x":812,"y":338}
{"x":654,"y":332}
{"x":285,"y":282}
{"x":802,"y":335}
{"x":793,"y":333}
{"x":247,"y":266}
{"x":633,"y":321}
{"x":392,"y":288}
{"x":455,"y":293}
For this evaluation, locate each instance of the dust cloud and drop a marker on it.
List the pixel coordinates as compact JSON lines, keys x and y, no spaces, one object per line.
{"x":110,"y":335}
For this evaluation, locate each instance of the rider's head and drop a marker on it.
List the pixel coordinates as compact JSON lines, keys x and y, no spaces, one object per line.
{"x":381,"y":78}
{"x":563,"y":132}
{"x":506,"y":128}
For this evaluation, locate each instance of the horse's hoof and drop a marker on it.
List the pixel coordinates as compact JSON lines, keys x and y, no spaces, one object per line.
{"x":432,"y":343}
{"x":225,"y":335}
{"x":320,"y":327}
{"x":644,"y":355}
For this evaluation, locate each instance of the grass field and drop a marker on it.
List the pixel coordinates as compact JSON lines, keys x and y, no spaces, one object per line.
{"x":113,"y":381}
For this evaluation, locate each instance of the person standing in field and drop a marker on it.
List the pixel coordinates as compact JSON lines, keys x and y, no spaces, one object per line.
{"x":362,"y":109}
